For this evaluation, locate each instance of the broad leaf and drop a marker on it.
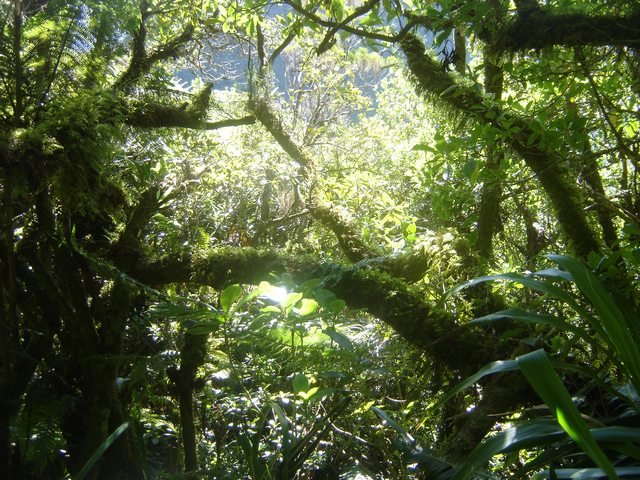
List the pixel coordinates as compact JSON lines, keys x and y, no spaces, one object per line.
{"x":339,"y":338}
{"x":229,"y":296}
{"x":300,"y":383}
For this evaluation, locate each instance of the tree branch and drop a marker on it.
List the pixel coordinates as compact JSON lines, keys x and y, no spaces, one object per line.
{"x":549,"y":167}
{"x":347,"y":28}
{"x":535,"y":28}
{"x":156,"y":115}
{"x":364,"y":285}
{"x":163,"y":116}
{"x":348,"y":237}
{"x":141,"y":61}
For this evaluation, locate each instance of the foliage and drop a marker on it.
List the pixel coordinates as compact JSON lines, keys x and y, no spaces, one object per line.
{"x":600,"y":323}
{"x":230,"y":233}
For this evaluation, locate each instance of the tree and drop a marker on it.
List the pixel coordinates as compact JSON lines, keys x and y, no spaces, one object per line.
{"x":94,"y":124}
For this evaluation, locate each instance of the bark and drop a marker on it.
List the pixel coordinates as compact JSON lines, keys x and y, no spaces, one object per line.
{"x":460,"y":60}
{"x":192,"y":356}
{"x":364,"y":285}
{"x":550,"y":169}
{"x":535,"y":28}
{"x":8,"y":321}
{"x":591,"y":175}
{"x":488,"y":213}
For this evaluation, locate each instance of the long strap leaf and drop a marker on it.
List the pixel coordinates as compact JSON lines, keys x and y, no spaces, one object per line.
{"x":539,"y":372}
{"x":100,"y":451}
{"x":617,"y":332}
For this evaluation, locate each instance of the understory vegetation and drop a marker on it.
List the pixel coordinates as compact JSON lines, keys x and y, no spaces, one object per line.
{"x":381,"y":239}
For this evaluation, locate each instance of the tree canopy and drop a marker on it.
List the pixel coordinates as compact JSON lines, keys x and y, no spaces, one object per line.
{"x":319,"y":239}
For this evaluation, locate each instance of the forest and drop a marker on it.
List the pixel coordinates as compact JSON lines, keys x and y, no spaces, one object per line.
{"x":319,"y":239}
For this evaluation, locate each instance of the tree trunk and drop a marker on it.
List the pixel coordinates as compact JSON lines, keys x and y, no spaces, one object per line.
{"x":488,"y":213}
{"x":192,"y":356}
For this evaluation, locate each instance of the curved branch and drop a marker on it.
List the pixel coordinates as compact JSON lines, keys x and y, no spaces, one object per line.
{"x":156,"y":115}
{"x":141,"y":61}
{"x":347,"y":28}
{"x":535,"y":28}
{"x":349,"y":238}
{"x":548,"y":166}
{"x":364,"y":285}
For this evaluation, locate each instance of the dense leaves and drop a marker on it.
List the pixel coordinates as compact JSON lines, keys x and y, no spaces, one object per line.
{"x":260,"y":239}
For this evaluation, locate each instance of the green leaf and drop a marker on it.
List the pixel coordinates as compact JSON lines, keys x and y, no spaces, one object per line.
{"x":307,"y":307}
{"x":586,"y":473}
{"x":100,"y":451}
{"x":308,"y":394}
{"x":203,"y":327}
{"x":229,"y":296}
{"x":469,"y":167}
{"x":320,"y":394}
{"x":337,"y":306}
{"x":489,"y":369}
{"x":422,"y":147}
{"x":337,"y":9}
{"x":282,"y":418}
{"x":270,"y":309}
{"x":339,"y":338}
{"x":531,"y":434}
{"x":527,"y":281}
{"x":252,"y":455}
{"x":324,"y":297}
{"x":183,"y":313}
{"x":539,"y":372}
{"x":290,"y":300}
{"x":300,"y":383}
{"x":615,"y":327}
{"x":393,"y":424}
{"x":529,"y":317}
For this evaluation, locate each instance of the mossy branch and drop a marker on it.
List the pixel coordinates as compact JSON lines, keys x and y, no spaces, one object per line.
{"x":141,"y":60}
{"x":549,"y":167}
{"x":351,"y":242}
{"x":364,"y":285}
{"x":535,"y":28}
{"x":157,"y":115}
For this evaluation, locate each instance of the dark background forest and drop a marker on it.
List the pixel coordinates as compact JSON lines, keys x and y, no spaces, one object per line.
{"x":319,"y":239}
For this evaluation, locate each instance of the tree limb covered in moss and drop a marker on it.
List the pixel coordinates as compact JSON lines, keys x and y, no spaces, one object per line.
{"x":364,"y":285}
{"x":156,"y":115}
{"x":351,"y":242}
{"x":142,"y":61}
{"x":535,"y":28}
{"x":165,"y":116}
{"x":549,"y":167}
